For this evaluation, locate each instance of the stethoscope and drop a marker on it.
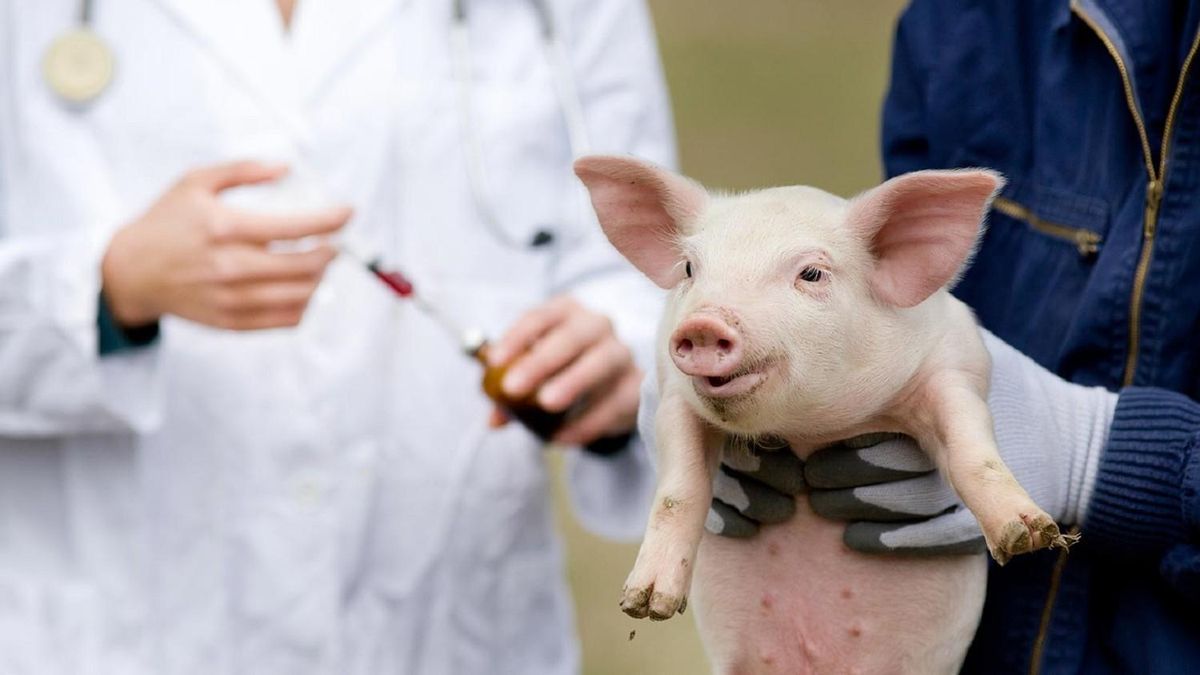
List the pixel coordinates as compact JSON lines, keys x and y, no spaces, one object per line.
{"x":563,"y":81}
{"x":79,"y":65}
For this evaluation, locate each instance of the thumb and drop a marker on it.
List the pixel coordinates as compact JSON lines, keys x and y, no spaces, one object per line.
{"x":217,"y":177}
{"x":497,"y":418}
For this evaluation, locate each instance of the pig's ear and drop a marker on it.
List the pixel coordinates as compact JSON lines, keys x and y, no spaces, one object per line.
{"x":922,"y":227}
{"x":643,"y":210}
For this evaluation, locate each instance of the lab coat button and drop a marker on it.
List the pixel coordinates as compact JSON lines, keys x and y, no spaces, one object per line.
{"x":309,"y":492}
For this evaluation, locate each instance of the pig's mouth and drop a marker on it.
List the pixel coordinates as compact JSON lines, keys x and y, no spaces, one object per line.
{"x":738,"y":384}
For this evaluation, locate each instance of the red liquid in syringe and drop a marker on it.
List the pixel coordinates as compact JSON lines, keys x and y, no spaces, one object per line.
{"x":395,"y":280}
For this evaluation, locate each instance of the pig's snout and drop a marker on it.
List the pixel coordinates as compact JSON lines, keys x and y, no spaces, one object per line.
{"x":706,"y":346}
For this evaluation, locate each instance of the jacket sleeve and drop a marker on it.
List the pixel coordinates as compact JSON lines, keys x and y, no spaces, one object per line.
{"x":614,"y":57}
{"x":1146,"y":500}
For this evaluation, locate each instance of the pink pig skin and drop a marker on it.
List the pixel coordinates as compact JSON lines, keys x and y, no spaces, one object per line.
{"x":801,"y":316}
{"x":794,"y":599}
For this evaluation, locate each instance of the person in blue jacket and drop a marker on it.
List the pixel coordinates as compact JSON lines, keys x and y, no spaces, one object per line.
{"x":1088,"y":279}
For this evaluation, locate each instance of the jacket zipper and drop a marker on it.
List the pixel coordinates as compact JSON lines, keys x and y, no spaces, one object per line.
{"x":1085,"y":241}
{"x":1155,"y":186}
{"x":1154,"y":195}
{"x":1039,"y":645}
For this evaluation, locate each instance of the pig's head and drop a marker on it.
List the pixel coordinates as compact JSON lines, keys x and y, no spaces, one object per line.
{"x":786,"y":302}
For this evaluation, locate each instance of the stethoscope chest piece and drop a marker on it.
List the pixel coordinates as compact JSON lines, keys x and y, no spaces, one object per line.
{"x":78,"y":66}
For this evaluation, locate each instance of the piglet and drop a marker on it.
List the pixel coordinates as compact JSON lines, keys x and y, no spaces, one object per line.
{"x":799,"y":318}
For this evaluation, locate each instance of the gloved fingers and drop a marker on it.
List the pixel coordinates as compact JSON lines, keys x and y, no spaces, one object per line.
{"x":852,"y":463}
{"x":775,"y":465}
{"x":725,"y":520}
{"x":751,"y":498}
{"x":954,"y":533}
{"x":922,"y":497}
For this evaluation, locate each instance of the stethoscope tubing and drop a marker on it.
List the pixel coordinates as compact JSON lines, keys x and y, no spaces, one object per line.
{"x":565,"y":90}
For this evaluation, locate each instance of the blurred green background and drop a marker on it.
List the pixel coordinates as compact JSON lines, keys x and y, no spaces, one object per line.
{"x":765,"y":92}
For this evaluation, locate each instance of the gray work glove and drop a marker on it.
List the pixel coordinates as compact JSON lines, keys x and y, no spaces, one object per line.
{"x":755,"y":485}
{"x":1050,"y":433}
{"x":894,"y":498}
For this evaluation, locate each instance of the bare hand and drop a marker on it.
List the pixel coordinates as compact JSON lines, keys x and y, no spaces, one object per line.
{"x":569,"y":354}
{"x":192,"y":256}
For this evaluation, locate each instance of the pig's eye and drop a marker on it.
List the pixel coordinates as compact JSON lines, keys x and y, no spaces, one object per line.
{"x":811,"y":274}
{"x":687,"y":268}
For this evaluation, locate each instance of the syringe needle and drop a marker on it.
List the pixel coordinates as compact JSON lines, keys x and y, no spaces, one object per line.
{"x":469,"y":340}
{"x":444,"y":321}
{"x":345,"y":250}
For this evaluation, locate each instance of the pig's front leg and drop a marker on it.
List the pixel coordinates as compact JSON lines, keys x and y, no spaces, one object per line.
{"x":688,"y":452}
{"x":964,"y":447}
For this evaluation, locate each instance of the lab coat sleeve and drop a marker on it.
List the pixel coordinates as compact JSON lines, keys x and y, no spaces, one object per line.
{"x":53,"y":381}
{"x":614,"y":58}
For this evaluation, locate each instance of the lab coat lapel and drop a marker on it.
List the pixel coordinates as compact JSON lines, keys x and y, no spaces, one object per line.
{"x":327,"y":33}
{"x":245,"y":37}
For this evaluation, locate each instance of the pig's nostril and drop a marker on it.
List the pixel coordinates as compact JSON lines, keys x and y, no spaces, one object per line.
{"x":724,"y":345}
{"x":684,"y":346}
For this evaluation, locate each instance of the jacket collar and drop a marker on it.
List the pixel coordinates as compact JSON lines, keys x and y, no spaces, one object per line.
{"x":1109,"y":18}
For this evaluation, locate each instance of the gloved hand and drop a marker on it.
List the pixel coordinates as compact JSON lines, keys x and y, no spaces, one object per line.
{"x":756,"y":483}
{"x":1050,"y":432}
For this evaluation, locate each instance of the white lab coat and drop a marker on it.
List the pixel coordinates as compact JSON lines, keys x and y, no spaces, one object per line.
{"x":325,"y":499}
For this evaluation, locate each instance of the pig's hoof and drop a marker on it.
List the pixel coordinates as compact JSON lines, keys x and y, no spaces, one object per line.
{"x":645,"y":602}
{"x":1046,"y":532}
{"x":1030,"y":533}
{"x":1014,"y":539}
{"x":636,"y":602}
{"x":663,"y":606}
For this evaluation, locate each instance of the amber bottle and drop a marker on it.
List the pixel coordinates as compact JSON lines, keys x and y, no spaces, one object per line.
{"x":526,"y":410}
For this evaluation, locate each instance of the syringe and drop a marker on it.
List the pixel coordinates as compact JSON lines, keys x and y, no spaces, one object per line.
{"x":543,"y":423}
{"x":471,"y":341}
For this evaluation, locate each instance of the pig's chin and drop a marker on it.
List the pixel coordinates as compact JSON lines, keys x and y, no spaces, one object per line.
{"x":735,"y":386}
{"x":728,"y":400}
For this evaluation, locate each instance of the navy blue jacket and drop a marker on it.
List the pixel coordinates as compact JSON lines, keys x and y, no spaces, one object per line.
{"x":1090,"y":265}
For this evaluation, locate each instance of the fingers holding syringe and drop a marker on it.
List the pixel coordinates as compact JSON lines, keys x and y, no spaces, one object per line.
{"x":253,"y":305}
{"x":249,"y":288}
{"x":238,"y":225}
{"x":244,"y":263}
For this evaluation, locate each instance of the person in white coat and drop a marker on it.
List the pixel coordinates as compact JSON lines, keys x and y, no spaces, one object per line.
{"x":223,"y":455}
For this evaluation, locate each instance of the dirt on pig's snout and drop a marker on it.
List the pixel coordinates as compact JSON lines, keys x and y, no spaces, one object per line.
{"x":794,"y":599}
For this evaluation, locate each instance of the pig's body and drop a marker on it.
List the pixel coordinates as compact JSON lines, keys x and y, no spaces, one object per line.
{"x":801,"y":316}
{"x":795,"y":600}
